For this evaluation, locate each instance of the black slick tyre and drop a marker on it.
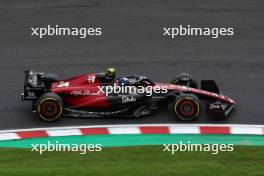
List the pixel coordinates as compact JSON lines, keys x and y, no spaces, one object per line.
{"x":49,"y":107}
{"x":187,"y":107}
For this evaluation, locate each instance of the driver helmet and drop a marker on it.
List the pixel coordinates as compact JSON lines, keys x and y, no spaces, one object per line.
{"x":110,"y":72}
{"x":123,"y":82}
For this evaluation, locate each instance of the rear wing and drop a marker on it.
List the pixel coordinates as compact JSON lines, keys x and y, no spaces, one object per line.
{"x":33,"y":85}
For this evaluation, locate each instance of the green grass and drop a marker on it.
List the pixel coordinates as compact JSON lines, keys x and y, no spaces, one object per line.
{"x":133,"y":161}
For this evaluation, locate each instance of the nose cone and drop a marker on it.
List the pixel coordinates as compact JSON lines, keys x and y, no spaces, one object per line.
{"x":226,"y":98}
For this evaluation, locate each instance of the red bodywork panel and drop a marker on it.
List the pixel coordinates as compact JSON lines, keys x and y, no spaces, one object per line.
{"x":196,"y":91}
{"x":83,"y":91}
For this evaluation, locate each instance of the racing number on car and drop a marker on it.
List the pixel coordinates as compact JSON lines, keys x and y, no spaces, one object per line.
{"x":91,"y":79}
{"x":63,"y":84}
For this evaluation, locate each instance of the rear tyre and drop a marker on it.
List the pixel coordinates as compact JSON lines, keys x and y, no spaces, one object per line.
{"x":187,"y":107}
{"x":49,"y":107}
{"x":185,"y":79}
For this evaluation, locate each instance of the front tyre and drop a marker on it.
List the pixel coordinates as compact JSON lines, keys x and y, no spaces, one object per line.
{"x":187,"y":107}
{"x":49,"y":107}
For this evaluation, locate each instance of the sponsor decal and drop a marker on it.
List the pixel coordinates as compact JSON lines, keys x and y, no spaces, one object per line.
{"x":83,"y":93}
{"x":126,"y":99}
{"x":63,"y":84}
{"x":214,"y":106}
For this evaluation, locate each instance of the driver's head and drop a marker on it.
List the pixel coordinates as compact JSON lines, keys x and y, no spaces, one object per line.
{"x":124,"y":81}
{"x":110,"y":72}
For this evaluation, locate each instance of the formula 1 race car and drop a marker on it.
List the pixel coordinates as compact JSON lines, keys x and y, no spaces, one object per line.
{"x":103,"y":95}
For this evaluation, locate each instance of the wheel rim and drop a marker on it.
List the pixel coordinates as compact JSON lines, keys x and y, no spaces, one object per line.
{"x":187,"y":108}
{"x":49,"y":109}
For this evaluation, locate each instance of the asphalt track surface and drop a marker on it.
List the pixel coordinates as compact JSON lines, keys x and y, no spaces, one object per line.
{"x":132,"y":42}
